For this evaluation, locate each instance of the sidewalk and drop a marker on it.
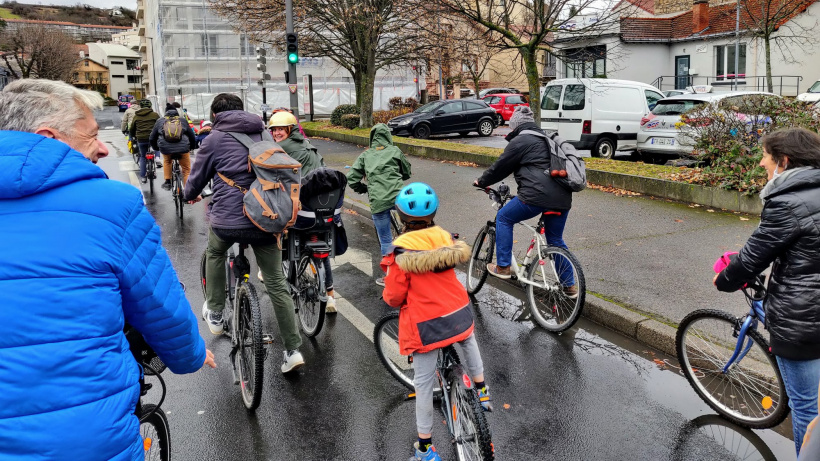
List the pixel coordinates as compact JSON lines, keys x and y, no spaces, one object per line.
{"x":647,"y":262}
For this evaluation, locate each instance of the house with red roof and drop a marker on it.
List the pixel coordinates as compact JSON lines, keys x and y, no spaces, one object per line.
{"x":674,"y":44}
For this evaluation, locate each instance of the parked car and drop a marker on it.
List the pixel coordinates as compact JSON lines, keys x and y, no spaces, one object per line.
{"x":440,"y":117}
{"x":597,"y":114}
{"x":670,"y":93}
{"x":487,"y":91}
{"x":661,"y":136}
{"x":505,"y":104}
{"x":813,"y":94}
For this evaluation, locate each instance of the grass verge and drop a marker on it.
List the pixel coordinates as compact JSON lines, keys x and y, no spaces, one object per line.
{"x":612,"y":166}
{"x":6,"y":13}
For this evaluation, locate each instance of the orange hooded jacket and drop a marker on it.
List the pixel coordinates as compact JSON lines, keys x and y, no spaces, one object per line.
{"x":435,"y":309}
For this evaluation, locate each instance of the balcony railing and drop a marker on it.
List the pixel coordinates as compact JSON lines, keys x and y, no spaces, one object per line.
{"x":784,"y":85}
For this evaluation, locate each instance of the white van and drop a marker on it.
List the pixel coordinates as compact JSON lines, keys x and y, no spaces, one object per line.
{"x":597,"y":114}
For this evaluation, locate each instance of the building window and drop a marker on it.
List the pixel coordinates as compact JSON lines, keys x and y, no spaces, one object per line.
{"x":86,"y":63}
{"x":88,"y":76}
{"x":135,"y":79}
{"x":725,"y":62}
{"x":245,"y":46}
{"x":117,"y":62}
{"x":208,"y":43}
{"x":131,"y":64}
{"x":586,"y":62}
{"x":118,"y":76}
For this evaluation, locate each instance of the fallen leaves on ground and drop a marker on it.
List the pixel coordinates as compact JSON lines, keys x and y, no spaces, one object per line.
{"x":744,"y":219}
{"x":506,"y":406}
{"x":687,"y":175}
{"x":678,"y":220}
{"x":349,"y":211}
{"x":614,"y":190}
{"x":458,"y":163}
{"x":321,"y":138}
{"x":660,"y":363}
{"x":711,"y":211}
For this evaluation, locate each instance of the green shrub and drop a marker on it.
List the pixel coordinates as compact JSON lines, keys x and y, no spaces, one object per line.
{"x":350,"y":121}
{"x":726,"y":137}
{"x":339,"y":111}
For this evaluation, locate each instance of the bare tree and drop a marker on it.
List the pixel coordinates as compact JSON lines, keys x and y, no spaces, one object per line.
{"x":771,"y":22}
{"x":527,"y":26}
{"x":361,"y":36}
{"x":470,"y":47}
{"x":39,"y":52}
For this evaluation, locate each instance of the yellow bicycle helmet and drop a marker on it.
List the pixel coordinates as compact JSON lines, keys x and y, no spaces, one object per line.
{"x":282,"y":119}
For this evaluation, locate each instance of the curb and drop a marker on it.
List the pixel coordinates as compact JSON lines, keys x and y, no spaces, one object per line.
{"x":632,"y":324}
{"x":688,"y":193}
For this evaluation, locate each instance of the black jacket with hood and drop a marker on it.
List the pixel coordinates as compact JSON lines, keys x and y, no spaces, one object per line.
{"x":789,"y":236}
{"x":186,"y":144}
{"x":528,"y":158}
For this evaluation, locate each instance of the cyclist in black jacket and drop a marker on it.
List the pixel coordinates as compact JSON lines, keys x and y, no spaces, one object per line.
{"x":789,"y":237}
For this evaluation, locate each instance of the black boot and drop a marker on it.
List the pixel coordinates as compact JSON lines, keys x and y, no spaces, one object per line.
{"x":167,"y":184}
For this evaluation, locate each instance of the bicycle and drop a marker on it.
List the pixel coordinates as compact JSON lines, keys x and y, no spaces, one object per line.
{"x":242,"y":319}
{"x":154,"y":429}
{"x":728,"y":363}
{"x":458,"y":400}
{"x":396,"y":226}
{"x":150,"y":170}
{"x":177,"y":185}
{"x":547,"y":271}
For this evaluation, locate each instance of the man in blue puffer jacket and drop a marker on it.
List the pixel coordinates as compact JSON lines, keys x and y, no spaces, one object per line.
{"x":79,"y":257}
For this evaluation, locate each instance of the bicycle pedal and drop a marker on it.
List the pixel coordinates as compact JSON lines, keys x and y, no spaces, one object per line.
{"x":267,"y":339}
{"x":410,"y":396}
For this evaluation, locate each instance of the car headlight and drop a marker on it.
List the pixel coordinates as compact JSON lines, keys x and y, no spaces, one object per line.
{"x":405,"y":121}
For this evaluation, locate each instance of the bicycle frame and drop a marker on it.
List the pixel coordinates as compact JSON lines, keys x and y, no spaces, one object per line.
{"x":445,"y":361}
{"x":755,"y":312}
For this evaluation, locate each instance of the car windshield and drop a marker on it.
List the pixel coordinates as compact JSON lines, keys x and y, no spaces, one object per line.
{"x":815,"y":88}
{"x":429,"y":107}
{"x":675,"y":106}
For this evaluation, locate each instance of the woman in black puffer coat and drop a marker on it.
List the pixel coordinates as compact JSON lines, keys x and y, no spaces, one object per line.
{"x":789,"y":237}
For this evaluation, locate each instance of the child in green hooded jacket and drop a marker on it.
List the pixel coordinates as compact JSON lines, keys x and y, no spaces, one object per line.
{"x":384,"y":168}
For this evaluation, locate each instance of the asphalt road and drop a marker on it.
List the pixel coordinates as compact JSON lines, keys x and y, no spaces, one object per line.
{"x":586,"y":394}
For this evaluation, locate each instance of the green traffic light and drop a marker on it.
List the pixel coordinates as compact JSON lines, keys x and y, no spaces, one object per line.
{"x":293,"y":58}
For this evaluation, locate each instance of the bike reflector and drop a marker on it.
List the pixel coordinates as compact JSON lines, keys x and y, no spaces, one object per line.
{"x":767,"y":402}
{"x":467,"y":382}
{"x":149,"y":156}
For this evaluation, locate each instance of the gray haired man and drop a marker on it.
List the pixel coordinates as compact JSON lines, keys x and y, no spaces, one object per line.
{"x":80,"y":256}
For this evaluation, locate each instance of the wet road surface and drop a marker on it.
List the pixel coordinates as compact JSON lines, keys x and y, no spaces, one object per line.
{"x":587,"y":394}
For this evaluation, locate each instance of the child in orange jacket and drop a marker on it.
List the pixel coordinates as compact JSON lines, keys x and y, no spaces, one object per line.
{"x":435,"y":309}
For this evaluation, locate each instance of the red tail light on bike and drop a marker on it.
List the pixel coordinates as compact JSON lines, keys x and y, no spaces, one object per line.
{"x":321,"y":255}
{"x":149,"y":156}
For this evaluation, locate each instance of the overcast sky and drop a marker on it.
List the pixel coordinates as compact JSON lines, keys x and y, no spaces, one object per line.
{"x":130,"y":4}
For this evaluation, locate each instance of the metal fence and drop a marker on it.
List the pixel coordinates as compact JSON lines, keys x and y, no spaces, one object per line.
{"x":784,"y":85}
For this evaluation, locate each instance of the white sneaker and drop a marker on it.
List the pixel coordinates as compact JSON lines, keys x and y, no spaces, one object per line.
{"x":293,"y":360}
{"x":259,"y":276}
{"x":330,"y":307}
{"x":213,"y":319}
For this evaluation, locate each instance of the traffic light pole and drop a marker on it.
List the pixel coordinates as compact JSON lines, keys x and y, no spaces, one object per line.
{"x":294,"y":95}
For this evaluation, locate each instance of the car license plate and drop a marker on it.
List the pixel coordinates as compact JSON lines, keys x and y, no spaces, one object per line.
{"x":662,"y":141}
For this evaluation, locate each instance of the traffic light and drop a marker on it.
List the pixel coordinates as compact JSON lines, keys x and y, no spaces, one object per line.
{"x":292,"y":48}
{"x":414,"y":68}
{"x":415,"y":80}
{"x":260,"y":58}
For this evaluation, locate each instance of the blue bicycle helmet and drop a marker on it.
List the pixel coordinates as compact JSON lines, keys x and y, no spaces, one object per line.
{"x":417,"y":203}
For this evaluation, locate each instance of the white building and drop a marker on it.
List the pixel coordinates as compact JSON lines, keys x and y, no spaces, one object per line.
{"x":129,"y":39}
{"x":677,"y":43}
{"x":189,"y":53}
{"x":123,"y":65}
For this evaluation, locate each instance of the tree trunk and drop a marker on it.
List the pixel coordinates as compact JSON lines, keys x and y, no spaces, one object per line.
{"x":533,"y":81}
{"x":368,"y":86}
{"x":768,"y":54}
{"x":476,"y":83}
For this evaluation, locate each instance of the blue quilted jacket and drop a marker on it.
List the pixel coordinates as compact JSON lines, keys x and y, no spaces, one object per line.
{"x":79,"y":256}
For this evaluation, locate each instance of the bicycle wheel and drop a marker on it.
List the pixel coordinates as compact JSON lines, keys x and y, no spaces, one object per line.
{"x":250,"y":356}
{"x":202,"y":273}
{"x":751,"y":393}
{"x":309,"y":286}
{"x":151,"y":172}
{"x":553,"y":306}
{"x":471,"y":433}
{"x":156,"y":436}
{"x":482,"y":254}
{"x":739,"y":442}
{"x":178,"y":195}
{"x":386,"y":340}
{"x":396,"y":226}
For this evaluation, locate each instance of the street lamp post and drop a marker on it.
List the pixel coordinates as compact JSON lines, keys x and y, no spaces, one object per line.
{"x":737,"y":43}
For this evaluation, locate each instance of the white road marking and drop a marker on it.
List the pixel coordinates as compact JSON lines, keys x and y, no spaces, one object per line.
{"x":354,"y":316}
{"x":128,"y":165}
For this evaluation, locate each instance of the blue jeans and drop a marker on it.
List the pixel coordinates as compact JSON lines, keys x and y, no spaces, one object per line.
{"x":801,"y":378}
{"x":382,"y":222}
{"x":144,"y":148}
{"x":516,"y":211}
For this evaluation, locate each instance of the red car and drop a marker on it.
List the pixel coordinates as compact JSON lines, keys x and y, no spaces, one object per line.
{"x":504,"y":104}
